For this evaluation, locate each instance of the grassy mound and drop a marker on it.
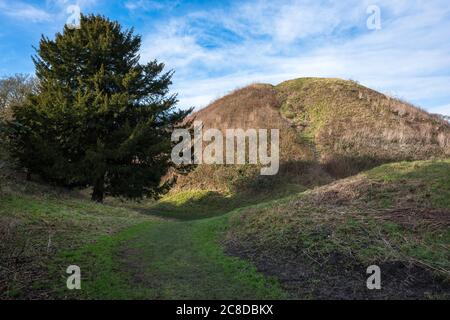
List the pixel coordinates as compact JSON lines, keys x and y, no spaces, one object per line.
{"x":354,"y":127}
{"x":396,"y":216}
{"x":254,"y":107}
{"x":327,"y":127}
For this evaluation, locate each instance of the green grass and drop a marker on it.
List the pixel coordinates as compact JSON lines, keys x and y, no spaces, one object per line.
{"x":193,"y":204}
{"x":102,"y":277}
{"x":57,"y":230}
{"x":368,"y":234}
{"x":305,"y":103}
{"x":65,"y":217}
{"x":125,"y":253}
{"x":34,"y":228}
{"x":166,"y":260}
{"x":433,"y":177}
{"x":200,"y":204}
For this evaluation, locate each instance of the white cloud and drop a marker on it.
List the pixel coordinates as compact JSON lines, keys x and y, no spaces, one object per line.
{"x":180,"y":49}
{"x":150,"y":5}
{"x":51,"y":11}
{"x":444,"y":110}
{"x":66,"y":3}
{"x":23,"y":11}
{"x":408,"y":58}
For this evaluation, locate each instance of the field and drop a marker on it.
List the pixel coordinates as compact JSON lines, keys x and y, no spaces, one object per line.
{"x":312,"y":244}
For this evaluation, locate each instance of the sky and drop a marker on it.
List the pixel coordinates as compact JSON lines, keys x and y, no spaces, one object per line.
{"x":399,"y":47}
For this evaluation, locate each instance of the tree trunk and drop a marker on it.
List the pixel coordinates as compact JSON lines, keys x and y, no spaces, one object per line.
{"x":99,"y":190}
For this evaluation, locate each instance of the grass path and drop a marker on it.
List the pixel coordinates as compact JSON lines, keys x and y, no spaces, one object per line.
{"x":167,"y":260}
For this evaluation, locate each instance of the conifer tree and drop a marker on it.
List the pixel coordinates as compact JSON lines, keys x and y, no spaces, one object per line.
{"x":100,"y":119}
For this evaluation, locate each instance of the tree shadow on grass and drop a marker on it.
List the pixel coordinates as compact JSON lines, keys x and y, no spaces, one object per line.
{"x":247,"y":187}
{"x":201,"y":204}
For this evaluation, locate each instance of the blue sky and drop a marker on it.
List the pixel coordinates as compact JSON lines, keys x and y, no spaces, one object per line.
{"x":217,"y":46}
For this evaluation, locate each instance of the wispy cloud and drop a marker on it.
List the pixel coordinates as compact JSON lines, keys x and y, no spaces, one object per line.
{"x":219,"y":50}
{"x":149,"y":5}
{"x":65,"y":3}
{"x":47,"y":12}
{"x":23,"y":11}
{"x":445,"y":110}
{"x":217,"y":46}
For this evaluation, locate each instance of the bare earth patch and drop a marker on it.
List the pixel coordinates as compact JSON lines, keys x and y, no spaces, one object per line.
{"x":341,"y":277}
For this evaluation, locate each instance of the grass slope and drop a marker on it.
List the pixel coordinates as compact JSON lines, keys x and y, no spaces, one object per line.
{"x":396,"y":215}
{"x":122,"y":253}
{"x":199,"y":204}
{"x":35,"y":227}
{"x":354,"y":128}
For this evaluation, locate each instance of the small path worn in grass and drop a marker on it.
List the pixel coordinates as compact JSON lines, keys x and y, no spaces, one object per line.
{"x":165,"y":260}
{"x":184,"y":260}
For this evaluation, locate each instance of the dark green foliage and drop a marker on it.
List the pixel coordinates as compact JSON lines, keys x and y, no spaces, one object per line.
{"x":101,"y":119}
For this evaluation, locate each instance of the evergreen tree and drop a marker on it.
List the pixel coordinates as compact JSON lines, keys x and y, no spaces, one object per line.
{"x":100,"y":119}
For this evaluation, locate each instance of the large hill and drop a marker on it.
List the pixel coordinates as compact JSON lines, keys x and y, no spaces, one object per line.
{"x":329,"y":128}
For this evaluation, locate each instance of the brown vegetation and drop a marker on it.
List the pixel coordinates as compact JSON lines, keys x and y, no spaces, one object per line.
{"x":327,"y":127}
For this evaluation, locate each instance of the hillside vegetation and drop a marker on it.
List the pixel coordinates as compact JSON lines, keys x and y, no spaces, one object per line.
{"x":329,"y":128}
{"x":37,"y":222}
{"x":354,"y":127}
{"x":321,"y":241}
{"x":311,"y":244}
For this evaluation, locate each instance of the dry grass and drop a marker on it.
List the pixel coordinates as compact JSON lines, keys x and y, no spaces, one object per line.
{"x":255,"y":106}
{"x":337,"y":127}
{"x":355,"y":128}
